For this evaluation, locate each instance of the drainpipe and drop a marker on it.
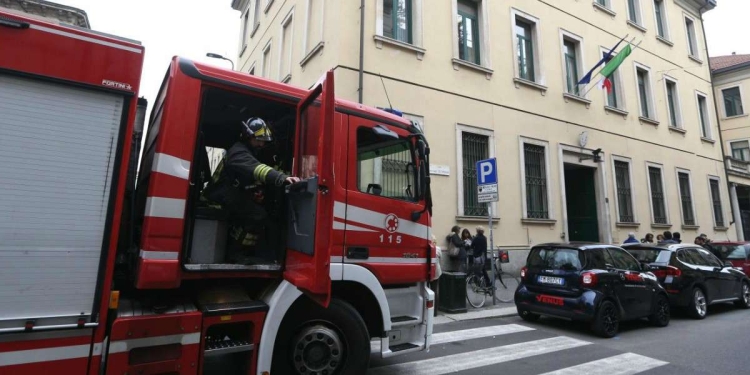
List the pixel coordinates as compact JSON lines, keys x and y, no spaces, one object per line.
{"x":361,"y":48}
{"x":716,"y":110}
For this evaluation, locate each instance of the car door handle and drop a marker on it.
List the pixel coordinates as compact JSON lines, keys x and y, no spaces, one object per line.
{"x":357,"y":253}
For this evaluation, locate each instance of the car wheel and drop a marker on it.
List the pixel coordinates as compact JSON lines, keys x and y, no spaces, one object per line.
{"x":698,"y":306}
{"x":313,"y":339}
{"x":660,"y":317}
{"x":607,"y":320}
{"x":528,"y":315}
{"x":744,"y":301}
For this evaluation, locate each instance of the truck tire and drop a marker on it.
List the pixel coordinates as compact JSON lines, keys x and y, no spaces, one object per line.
{"x":316,"y":340}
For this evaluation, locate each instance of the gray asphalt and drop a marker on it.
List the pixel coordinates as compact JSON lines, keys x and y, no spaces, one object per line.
{"x":719,"y":344}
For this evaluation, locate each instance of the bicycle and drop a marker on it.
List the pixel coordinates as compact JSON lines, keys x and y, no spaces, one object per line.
{"x":505,"y":292}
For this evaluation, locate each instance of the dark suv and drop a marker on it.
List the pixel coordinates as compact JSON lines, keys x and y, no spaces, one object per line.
{"x":601,"y":284}
{"x":693,"y":277}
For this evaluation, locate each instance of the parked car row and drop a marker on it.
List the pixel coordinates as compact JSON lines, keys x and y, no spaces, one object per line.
{"x":607,"y":284}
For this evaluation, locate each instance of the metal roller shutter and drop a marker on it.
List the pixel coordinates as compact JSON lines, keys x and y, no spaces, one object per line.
{"x":57,"y":154}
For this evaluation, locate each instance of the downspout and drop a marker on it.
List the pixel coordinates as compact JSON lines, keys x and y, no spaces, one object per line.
{"x":716,"y":109}
{"x":361,"y":48}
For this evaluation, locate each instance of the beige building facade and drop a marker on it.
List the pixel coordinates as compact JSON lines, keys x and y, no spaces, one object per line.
{"x":731,"y":77}
{"x":497,"y":79}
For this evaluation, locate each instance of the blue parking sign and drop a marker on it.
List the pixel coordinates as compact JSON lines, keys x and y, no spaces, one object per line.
{"x":487,"y":172}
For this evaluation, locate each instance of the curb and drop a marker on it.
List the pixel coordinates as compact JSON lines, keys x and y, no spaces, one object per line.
{"x":474,"y":315}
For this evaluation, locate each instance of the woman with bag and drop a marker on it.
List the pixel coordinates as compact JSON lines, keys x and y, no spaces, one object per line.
{"x":456,"y":250}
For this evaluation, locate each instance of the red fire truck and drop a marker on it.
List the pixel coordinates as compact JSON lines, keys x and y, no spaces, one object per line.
{"x":103,"y":272}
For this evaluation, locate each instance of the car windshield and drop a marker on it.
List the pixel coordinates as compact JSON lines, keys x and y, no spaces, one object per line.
{"x":729,"y":252}
{"x":649,"y":255}
{"x":555,"y":258}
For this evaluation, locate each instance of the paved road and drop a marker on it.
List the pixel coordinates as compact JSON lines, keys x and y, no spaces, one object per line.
{"x":720,"y":344}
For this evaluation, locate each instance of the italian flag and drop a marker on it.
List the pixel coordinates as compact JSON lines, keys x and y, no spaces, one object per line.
{"x":612,"y":66}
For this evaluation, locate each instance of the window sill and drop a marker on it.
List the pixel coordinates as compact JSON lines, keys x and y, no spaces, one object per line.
{"x":380,"y":40}
{"x":708,"y":140}
{"x":636,"y":26}
{"x":604,"y":9}
{"x":568,"y":96}
{"x":287,"y":78}
{"x":482,"y":219}
{"x":539,"y":221}
{"x":629,"y":225}
{"x":699,"y":61}
{"x":525,"y":82}
{"x":312,"y":53}
{"x":242,"y":51}
{"x":648,"y":120}
{"x":690,"y":227}
{"x":721,"y":229}
{"x":458,"y":62}
{"x":665,"y":41}
{"x":255,"y":29}
{"x":655,"y":225}
{"x":677,"y":130}
{"x":618,"y":111}
{"x":736,"y":116}
{"x":268,"y":6}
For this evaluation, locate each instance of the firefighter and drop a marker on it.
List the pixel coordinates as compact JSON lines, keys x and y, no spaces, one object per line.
{"x":239,"y":187}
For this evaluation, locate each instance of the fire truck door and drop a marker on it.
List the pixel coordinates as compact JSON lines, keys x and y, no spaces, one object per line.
{"x":310,"y":216}
{"x":381,"y":197}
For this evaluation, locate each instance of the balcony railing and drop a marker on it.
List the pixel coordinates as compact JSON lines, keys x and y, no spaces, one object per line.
{"x":737,"y":165}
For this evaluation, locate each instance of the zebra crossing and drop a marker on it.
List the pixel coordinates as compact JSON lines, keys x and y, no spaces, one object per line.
{"x":512,"y":349}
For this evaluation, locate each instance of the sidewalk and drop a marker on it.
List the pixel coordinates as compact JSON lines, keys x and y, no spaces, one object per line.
{"x":491,"y":311}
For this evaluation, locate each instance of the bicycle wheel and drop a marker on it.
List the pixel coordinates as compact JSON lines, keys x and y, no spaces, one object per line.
{"x":475,"y":291}
{"x":506,"y":287}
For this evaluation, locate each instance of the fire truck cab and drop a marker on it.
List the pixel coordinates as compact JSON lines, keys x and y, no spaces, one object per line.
{"x":345,"y":259}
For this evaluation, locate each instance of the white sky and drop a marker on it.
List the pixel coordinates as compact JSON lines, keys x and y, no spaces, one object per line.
{"x":191,"y":28}
{"x":728,"y":27}
{"x":188,"y":28}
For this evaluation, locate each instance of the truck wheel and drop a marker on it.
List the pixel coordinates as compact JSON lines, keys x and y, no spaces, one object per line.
{"x":316,"y":340}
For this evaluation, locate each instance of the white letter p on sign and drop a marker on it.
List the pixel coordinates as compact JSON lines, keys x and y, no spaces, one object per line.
{"x":486,"y":170}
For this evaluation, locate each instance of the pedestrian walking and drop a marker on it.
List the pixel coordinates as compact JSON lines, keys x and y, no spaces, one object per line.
{"x":631,"y":238}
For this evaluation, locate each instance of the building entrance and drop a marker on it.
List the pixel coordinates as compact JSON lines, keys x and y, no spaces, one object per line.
{"x":580,"y":191}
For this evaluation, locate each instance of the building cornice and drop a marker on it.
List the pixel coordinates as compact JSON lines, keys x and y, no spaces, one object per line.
{"x":239,"y":4}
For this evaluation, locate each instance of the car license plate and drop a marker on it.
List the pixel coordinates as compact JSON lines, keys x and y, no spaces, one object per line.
{"x":551,"y":280}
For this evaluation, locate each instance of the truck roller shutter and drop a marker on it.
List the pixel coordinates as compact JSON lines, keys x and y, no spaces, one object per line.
{"x":58,"y":145}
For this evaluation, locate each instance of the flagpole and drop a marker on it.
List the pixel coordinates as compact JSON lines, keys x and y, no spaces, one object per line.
{"x":600,"y":70}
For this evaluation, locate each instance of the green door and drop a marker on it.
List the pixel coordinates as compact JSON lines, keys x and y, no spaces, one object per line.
{"x":580,"y":193}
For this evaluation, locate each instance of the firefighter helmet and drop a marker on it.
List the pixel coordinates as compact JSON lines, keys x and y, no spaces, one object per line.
{"x":256,"y":128}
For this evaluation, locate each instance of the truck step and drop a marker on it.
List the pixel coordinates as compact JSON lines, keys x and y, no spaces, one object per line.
{"x":213,"y":309}
{"x":402,"y":347}
{"x":404,"y":320}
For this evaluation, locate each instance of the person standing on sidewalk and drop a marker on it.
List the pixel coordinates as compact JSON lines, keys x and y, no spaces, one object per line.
{"x":458,"y":261}
{"x":479,"y":251}
{"x":435,"y":284}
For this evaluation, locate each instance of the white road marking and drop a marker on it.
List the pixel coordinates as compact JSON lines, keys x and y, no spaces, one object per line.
{"x":480,"y":358}
{"x":466,"y":334}
{"x":623,"y":364}
{"x":475,"y":333}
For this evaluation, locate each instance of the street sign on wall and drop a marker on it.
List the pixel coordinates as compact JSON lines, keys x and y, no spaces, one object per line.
{"x":487,"y":181}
